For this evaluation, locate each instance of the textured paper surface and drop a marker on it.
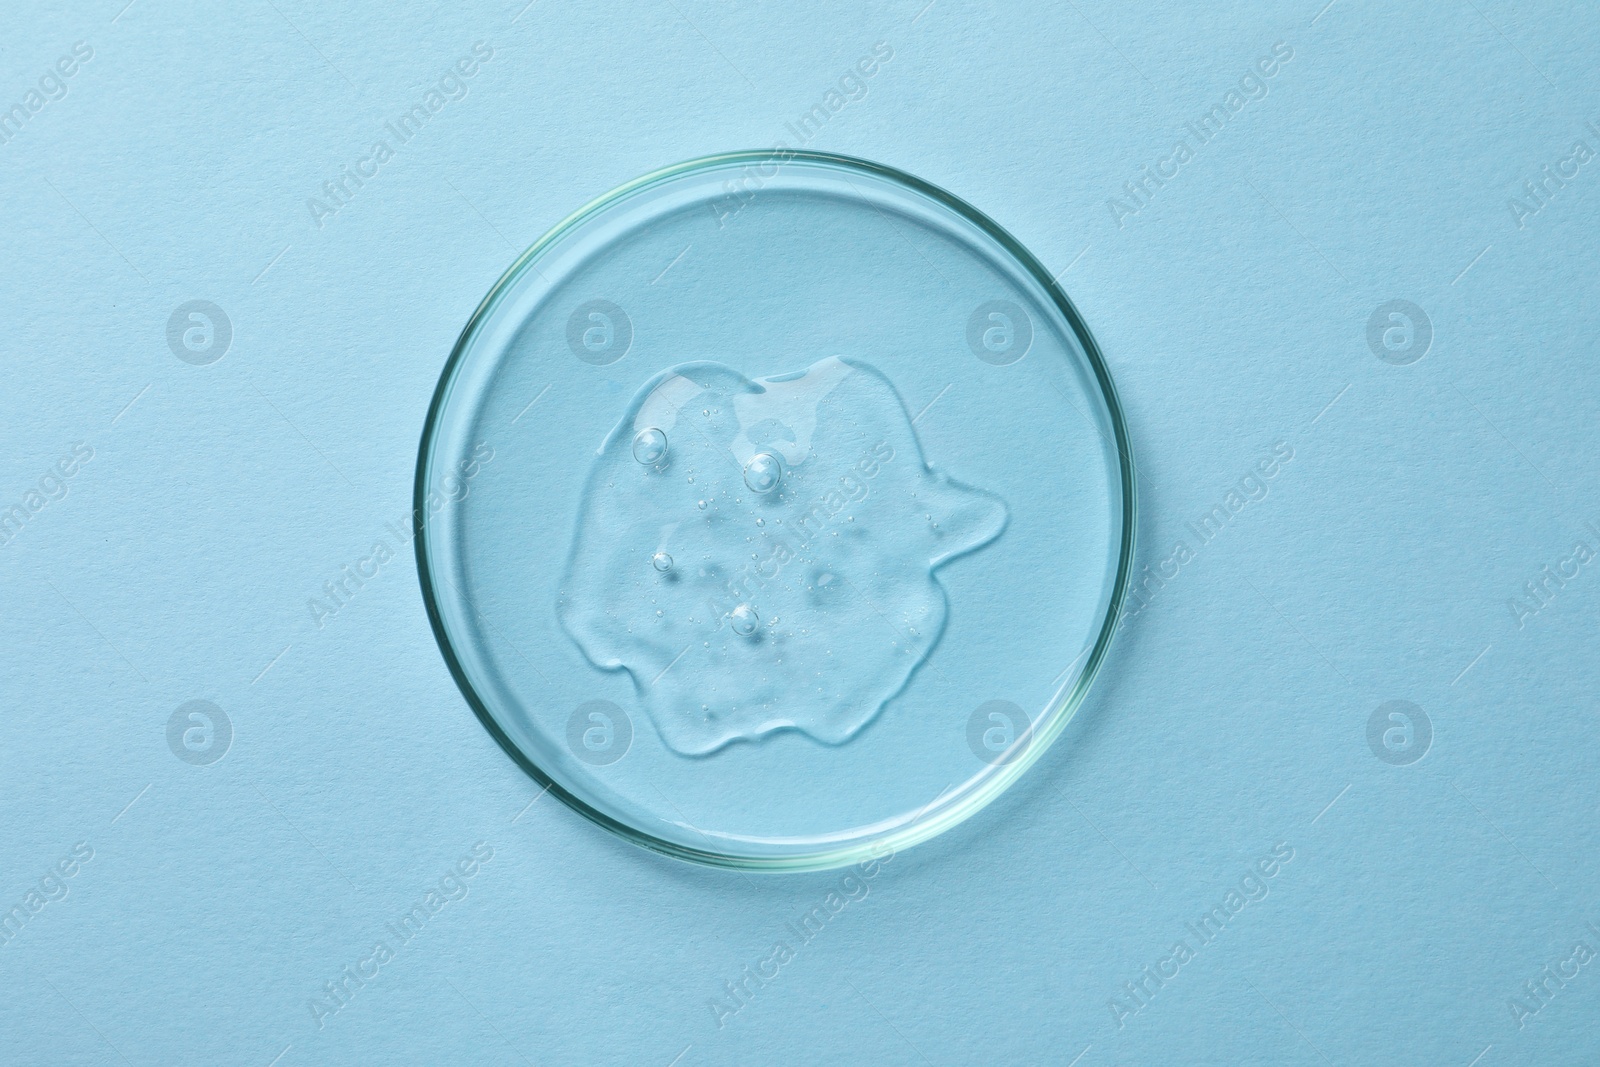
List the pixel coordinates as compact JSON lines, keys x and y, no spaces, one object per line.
{"x":1428,"y":911}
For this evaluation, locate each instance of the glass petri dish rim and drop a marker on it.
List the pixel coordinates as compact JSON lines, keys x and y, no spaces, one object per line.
{"x":931,"y":821}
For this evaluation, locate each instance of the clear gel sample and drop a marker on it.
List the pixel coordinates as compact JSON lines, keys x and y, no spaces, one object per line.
{"x":810,"y":621}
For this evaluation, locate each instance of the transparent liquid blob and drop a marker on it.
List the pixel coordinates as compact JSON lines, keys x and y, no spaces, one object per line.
{"x":777,"y":511}
{"x":865,"y":522}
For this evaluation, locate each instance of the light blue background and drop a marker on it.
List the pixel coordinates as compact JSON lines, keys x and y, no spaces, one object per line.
{"x":1232,"y":310}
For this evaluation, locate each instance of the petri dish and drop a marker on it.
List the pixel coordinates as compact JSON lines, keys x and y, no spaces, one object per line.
{"x":775,"y":510}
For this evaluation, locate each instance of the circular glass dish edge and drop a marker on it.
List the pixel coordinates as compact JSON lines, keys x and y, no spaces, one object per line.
{"x":932,"y":823}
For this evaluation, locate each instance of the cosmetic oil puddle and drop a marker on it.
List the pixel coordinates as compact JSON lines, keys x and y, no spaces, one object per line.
{"x":759,"y":555}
